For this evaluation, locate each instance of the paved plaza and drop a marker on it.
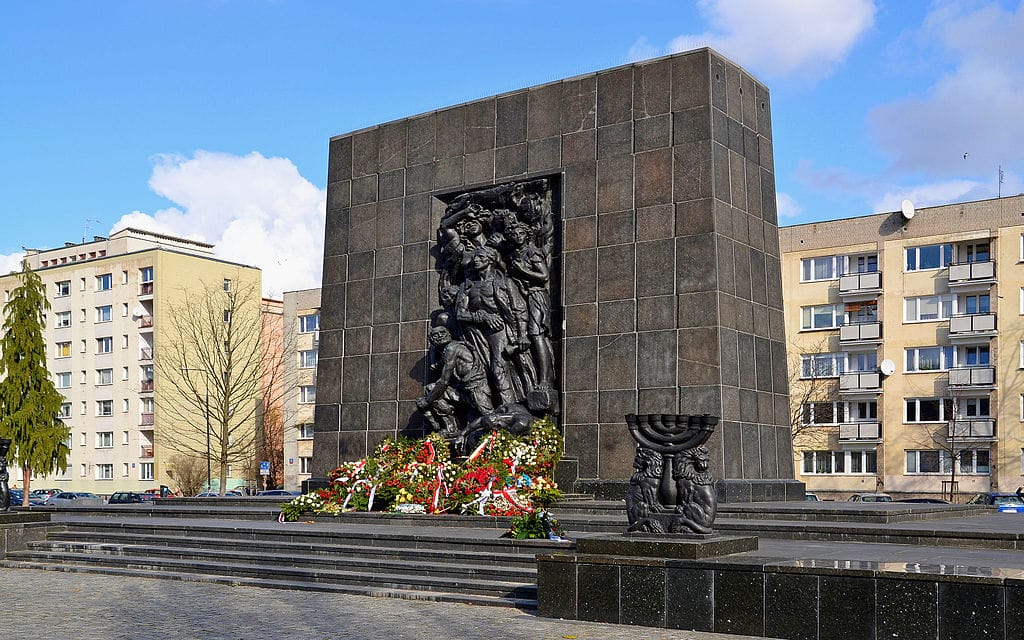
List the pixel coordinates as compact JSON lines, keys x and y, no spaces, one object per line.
{"x":40,"y":605}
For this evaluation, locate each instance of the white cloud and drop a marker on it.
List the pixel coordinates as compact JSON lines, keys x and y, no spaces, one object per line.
{"x":642,"y":49}
{"x":257,"y":211}
{"x":794,"y":38}
{"x":10,"y":262}
{"x":786,"y":206}
{"x":930,"y":195}
{"x":974,"y":108}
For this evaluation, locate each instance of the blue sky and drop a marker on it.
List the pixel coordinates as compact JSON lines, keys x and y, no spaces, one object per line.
{"x":210,"y":119}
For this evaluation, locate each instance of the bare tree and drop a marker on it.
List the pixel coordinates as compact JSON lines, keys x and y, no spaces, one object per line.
{"x":188,"y":473}
{"x":805,"y":390}
{"x":212,"y":360}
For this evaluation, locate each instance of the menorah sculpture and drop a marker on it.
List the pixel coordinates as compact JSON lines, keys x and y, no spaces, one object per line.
{"x":671,"y":490}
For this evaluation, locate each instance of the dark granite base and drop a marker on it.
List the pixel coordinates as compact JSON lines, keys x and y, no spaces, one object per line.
{"x":728,"y":490}
{"x":682,"y":546}
{"x":22,"y":517}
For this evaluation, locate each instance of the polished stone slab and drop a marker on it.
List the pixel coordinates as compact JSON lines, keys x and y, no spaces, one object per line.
{"x":684,"y":546}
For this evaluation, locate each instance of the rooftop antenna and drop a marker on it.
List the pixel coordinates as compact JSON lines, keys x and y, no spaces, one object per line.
{"x":999,"y":185}
{"x":85,"y":232}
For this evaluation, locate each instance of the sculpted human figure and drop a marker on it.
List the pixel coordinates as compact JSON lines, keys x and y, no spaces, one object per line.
{"x":462,"y":382}
{"x":5,"y":490}
{"x":493,"y":319}
{"x":528,"y":266}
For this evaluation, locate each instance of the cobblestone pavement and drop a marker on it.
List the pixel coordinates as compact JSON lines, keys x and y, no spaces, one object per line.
{"x":39,"y":605}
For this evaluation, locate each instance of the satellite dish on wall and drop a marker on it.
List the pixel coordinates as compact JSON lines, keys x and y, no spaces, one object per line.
{"x":907,"y":210}
{"x":887,"y":367}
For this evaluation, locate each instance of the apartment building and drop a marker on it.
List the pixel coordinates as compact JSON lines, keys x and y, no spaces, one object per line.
{"x":302,"y":342}
{"x":110,"y":299}
{"x":906,"y":343}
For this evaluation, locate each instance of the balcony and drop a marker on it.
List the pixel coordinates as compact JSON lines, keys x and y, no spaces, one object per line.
{"x":146,"y":451}
{"x":146,"y":289}
{"x":860,"y":382}
{"x":146,"y":386}
{"x":316,"y":338}
{"x":972,"y":378}
{"x":860,"y":286}
{"x":145,"y":322}
{"x":146,"y":353}
{"x":852,"y":432}
{"x":146,"y":420}
{"x":972,"y":276}
{"x":861,"y":333}
{"x":970,"y":328}
{"x":972,"y":429}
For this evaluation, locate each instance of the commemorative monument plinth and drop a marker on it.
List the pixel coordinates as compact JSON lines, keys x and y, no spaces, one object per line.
{"x":590,"y":248}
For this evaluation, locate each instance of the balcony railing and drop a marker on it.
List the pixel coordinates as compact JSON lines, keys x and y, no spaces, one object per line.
{"x":146,"y":353}
{"x":316,"y":338}
{"x":860,"y":382}
{"x":973,"y":428}
{"x":146,"y":420}
{"x":147,"y":452}
{"x":858,"y":283}
{"x":966,"y":273}
{"x":145,"y":321}
{"x":861,"y":331}
{"x":960,"y":377}
{"x":146,"y":289}
{"x":146,"y":385}
{"x":855,"y":431}
{"x":972,"y":324}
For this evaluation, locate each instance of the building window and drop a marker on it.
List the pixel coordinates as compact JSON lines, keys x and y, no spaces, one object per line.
{"x":822,"y":316}
{"x":62,"y":350}
{"x":124,"y":405}
{"x":65,"y":410}
{"x":307,"y":359}
{"x":146,"y":471}
{"x":62,"y":380}
{"x":861,"y":312}
{"x":146,"y":405}
{"x":307,"y":394}
{"x":839,"y":462}
{"x":124,"y":310}
{"x":82,"y":317}
{"x":928,"y":409}
{"x":974,"y":356}
{"x":124,"y":373}
{"x":83,"y":377}
{"x":821,"y":268}
{"x":227,"y":315}
{"x":822,"y":365}
{"x":864,"y":410}
{"x":975,"y":304}
{"x":103,"y":313}
{"x":929,"y":359}
{"x":971,"y":461}
{"x":305,"y":431}
{"x":976,"y":252}
{"x":865,"y":361}
{"x":305,"y":464}
{"x":146,"y":274}
{"x":104,"y":439}
{"x":309,"y":323}
{"x":81,"y":347}
{"x":104,"y":407}
{"x":104,"y":376}
{"x":104,"y":282}
{"x":124,"y":342}
{"x":124,"y":469}
{"x":62,"y":319}
{"x":63,"y":289}
{"x":104,"y":472}
{"x":227,"y":284}
{"x":928,"y":308}
{"x":104,"y":345}
{"x":932,"y":256}
{"x":864,"y":263}
{"x":83,"y":469}
{"x":975,"y":408}
{"x":822,"y":413}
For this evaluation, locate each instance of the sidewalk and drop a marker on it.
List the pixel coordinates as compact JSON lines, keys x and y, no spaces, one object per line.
{"x":45,"y":605}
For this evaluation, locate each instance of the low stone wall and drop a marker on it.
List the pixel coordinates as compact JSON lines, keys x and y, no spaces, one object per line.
{"x":818,"y":600}
{"x":18,"y":529}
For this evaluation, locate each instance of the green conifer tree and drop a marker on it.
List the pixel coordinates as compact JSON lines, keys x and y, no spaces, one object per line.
{"x":29,"y":403}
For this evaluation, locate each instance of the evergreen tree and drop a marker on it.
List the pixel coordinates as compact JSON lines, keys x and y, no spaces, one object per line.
{"x":29,"y":403}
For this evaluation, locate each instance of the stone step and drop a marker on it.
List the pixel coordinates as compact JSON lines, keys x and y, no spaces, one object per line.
{"x":525,"y":604}
{"x":405,"y":581}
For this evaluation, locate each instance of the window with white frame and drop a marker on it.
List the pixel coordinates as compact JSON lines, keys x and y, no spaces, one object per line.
{"x":104,"y":407}
{"x":62,"y":350}
{"x":104,"y":376}
{"x":105,"y":472}
{"x":81,"y":347}
{"x":83,"y":408}
{"x":62,"y":380}
{"x":227,"y":315}
{"x":975,"y":304}
{"x":928,"y":308}
{"x":83,"y":377}
{"x":103,"y":313}
{"x":63,"y":289}
{"x":124,"y":310}
{"x":862,"y":361}
{"x":307,"y":394}
{"x":976,"y":252}
{"x":839,"y":462}
{"x":125,"y":468}
{"x":863,"y":410}
{"x":104,"y":345}
{"x":978,"y":356}
{"x":83,"y":469}
{"x":970,"y":461}
{"x":861,"y":312}
{"x":146,"y":405}
{"x":81,"y":284}
{"x":862,"y":263}
{"x":124,"y":277}
{"x":84,"y":440}
{"x":62,"y":319}
{"x":822,"y":365}
{"x":146,"y":275}
{"x":227,"y":284}
{"x":305,"y":464}
{"x":104,"y":282}
{"x":124,"y":437}
{"x":307,"y":359}
{"x":145,"y":471}
{"x":975,"y":408}
{"x":124,"y":405}
{"x":124,"y":373}
{"x":821,"y":316}
{"x":929,"y":358}
{"x":927,"y":409}
{"x":822,"y":413}
{"x":306,"y":431}
{"x":104,"y":439}
{"x":65,"y":410}
{"x":932,"y":256}
{"x":821,"y":268}
{"x":309,"y":323}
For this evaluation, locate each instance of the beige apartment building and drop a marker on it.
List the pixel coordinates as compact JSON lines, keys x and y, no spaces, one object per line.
{"x":906,"y":343}
{"x":105,"y":330}
{"x":302,"y":342}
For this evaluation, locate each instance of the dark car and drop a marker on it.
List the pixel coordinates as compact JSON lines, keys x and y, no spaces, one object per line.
{"x":278,"y":492}
{"x":129,"y":497}
{"x":17,"y":495}
{"x":996,"y":499}
{"x":925,"y":500}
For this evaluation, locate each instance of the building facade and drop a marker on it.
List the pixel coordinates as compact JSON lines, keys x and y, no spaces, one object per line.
{"x":906,"y":343}
{"x":104,"y":333}
{"x":302,"y":344}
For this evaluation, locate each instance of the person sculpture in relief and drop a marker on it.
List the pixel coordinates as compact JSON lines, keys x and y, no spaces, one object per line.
{"x":5,"y":490}
{"x":495,"y":259}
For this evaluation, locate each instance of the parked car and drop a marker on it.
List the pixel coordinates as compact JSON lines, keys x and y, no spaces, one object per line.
{"x":870,"y":497}
{"x":43,"y":494}
{"x":278,"y":492}
{"x":216,"y":494}
{"x":17,"y":496}
{"x":74,"y":498}
{"x":997,"y":499}
{"x":810,"y":497}
{"x":129,"y":497}
{"x":925,"y":500}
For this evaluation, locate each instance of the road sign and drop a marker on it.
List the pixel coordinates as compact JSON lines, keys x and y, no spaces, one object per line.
{"x":265,"y":468}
